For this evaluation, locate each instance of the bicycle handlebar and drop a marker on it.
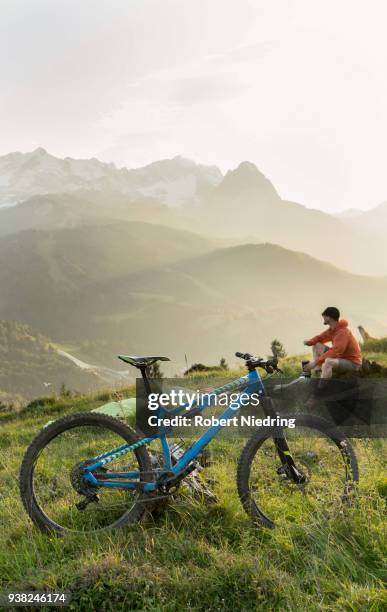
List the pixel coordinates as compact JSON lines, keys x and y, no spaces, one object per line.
{"x":243,"y":355}
{"x":270,"y":365}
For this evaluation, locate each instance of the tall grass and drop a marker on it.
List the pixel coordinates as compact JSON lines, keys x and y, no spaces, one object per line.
{"x":375,"y":345}
{"x":195,"y":556}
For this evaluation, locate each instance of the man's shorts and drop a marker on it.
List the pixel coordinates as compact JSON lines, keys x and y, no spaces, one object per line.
{"x":344,"y":365}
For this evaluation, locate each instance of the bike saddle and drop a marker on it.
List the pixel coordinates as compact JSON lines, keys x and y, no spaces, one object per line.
{"x":141,"y":362}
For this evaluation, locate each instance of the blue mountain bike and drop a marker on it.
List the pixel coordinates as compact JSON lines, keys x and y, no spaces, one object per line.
{"x":89,"y":471}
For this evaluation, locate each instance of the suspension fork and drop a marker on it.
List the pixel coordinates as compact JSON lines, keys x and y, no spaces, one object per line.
{"x":282,"y":447}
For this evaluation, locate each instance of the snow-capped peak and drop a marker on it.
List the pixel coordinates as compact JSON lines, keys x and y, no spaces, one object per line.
{"x":172,"y":181}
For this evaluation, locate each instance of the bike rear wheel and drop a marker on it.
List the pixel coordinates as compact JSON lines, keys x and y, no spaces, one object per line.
{"x":50,"y":475}
{"x":321,"y":452}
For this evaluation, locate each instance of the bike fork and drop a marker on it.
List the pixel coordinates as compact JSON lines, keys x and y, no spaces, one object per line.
{"x":288,"y":467}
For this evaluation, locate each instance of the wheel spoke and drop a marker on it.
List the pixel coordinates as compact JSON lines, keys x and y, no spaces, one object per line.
{"x":269,"y":492}
{"x":56,"y":494}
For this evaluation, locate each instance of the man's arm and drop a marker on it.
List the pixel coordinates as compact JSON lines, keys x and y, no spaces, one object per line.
{"x":325,"y":336}
{"x":340,"y":343}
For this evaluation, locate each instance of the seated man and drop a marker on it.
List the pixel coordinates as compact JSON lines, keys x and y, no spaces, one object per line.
{"x":343,"y":356}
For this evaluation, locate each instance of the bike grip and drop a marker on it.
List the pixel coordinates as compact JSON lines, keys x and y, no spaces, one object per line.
{"x":242,"y":355}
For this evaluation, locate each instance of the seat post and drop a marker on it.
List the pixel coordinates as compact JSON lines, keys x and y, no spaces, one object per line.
{"x":145,"y":379}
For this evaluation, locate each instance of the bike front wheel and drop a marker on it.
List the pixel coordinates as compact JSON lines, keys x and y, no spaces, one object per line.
{"x":51,"y":481}
{"x":324,"y":456}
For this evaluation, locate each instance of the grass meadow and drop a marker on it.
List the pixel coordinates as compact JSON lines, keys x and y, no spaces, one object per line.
{"x":195,"y":556}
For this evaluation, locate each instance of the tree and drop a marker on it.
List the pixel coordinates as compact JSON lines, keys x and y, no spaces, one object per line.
{"x":277,"y":349}
{"x":223,"y":364}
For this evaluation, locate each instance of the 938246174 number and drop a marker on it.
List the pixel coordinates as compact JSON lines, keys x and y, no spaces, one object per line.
{"x":34,"y":598}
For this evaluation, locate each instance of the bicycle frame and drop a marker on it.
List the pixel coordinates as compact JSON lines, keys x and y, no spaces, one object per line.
{"x":250,"y":383}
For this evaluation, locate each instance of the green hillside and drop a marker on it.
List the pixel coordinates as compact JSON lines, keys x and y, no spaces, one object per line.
{"x":142,"y":288}
{"x":229,"y":298}
{"x":28,"y":361}
{"x":195,"y":556}
{"x":40,"y":269}
{"x":376,"y":345}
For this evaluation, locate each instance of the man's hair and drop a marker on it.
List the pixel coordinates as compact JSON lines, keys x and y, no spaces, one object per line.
{"x":332,"y":312}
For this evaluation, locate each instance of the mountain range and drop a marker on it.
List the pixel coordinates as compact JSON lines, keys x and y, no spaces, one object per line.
{"x":138,"y":287}
{"x":246,"y":203}
{"x":239,"y":207}
{"x":372,"y":222}
{"x":171,"y":181}
{"x":173,"y":258}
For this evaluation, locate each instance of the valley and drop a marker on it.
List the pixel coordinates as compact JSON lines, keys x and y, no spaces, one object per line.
{"x":107,"y":262}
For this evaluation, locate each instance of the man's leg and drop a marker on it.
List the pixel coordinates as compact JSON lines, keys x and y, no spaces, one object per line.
{"x":327,"y":367}
{"x":339,"y":365}
{"x":326,"y":371}
{"x":318,"y":350}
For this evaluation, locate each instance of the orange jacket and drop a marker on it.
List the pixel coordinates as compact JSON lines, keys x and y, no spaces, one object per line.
{"x":344,"y":343}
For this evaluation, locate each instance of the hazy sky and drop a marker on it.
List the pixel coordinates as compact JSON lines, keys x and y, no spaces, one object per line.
{"x":298,"y":87}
